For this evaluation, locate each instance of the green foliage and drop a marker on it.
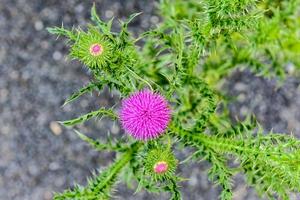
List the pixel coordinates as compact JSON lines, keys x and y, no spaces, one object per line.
{"x":270,"y":162}
{"x":61,"y":31}
{"x":101,"y":112}
{"x":100,"y":186}
{"x":173,"y":189}
{"x":260,"y":35}
{"x":101,"y":146}
{"x":89,"y":88}
{"x":186,"y":58}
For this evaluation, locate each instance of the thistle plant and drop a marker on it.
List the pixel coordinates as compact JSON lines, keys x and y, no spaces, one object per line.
{"x":170,"y":88}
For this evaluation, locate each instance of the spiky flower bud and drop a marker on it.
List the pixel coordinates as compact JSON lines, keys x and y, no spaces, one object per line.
{"x":160,"y":167}
{"x":93,"y":49}
{"x":145,"y":115}
{"x":160,"y":163}
{"x":96,"y":49}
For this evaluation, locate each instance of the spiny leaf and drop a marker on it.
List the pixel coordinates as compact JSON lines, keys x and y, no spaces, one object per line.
{"x":270,"y":162}
{"x":220,"y":173}
{"x":131,"y":17}
{"x":100,"y":146}
{"x":172,"y":187}
{"x":101,"y":24}
{"x":100,"y":186}
{"x":89,"y":88}
{"x":61,"y":31}
{"x":101,"y":112}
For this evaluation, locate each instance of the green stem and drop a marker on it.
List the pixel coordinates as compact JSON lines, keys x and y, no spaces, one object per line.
{"x":222,"y":145}
{"x":118,"y":165}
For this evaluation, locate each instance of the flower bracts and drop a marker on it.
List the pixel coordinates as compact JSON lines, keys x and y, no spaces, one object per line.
{"x":93,"y":49}
{"x":160,"y":163}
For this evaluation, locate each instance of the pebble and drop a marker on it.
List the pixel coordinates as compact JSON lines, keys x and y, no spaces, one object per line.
{"x":115,"y":129}
{"x":48,"y":195}
{"x":154,"y":20}
{"x":109,"y":14}
{"x":57,"y":55}
{"x":84,"y":103}
{"x":5,"y":129}
{"x":54,"y":166}
{"x":55,"y":128}
{"x":3,"y":95}
{"x":79,"y":9}
{"x":38,"y":25}
{"x":14,"y":75}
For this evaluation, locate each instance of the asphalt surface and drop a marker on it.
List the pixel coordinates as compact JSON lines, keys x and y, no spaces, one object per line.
{"x":38,"y":156}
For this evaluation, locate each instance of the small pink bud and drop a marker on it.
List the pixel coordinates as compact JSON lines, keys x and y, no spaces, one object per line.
{"x":160,"y":167}
{"x":96,"y":49}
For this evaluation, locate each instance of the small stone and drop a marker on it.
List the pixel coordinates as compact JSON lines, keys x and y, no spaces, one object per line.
{"x":57,"y":55}
{"x":145,"y":24}
{"x":54,"y":166}
{"x":244,"y":111}
{"x":5,"y":130}
{"x":154,"y":19}
{"x":290,"y":68}
{"x":79,"y":8}
{"x":240,"y":87}
{"x":33,"y":169}
{"x":44,"y":44}
{"x":84,"y":103}
{"x":38,"y":25}
{"x":3,"y":95}
{"x":48,"y":195}
{"x":115,"y":129}
{"x":241,"y":97}
{"x":193,"y":181}
{"x":109,"y":14}
{"x":59,"y":182}
{"x":14,"y":75}
{"x":1,"y":182}
{"x":55,"y":128}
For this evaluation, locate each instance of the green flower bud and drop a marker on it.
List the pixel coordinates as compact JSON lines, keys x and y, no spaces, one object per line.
{"x":93,"y":49}
{"x":160,"y":164}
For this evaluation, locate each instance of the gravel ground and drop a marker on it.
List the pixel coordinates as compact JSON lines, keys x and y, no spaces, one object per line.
{"x":37,"y":155}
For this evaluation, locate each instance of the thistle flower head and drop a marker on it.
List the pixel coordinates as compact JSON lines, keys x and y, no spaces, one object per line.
{"x":96,"y":49}
{"x":160,"y":163}
{"x":160,"y":167}
{"x":93,"y":49}
{"x":145,"y":115}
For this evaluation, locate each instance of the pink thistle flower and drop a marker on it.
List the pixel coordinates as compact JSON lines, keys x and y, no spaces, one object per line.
{"x":96,"y":49}
{"x":160,"y":167}
{"x":145,"y":115}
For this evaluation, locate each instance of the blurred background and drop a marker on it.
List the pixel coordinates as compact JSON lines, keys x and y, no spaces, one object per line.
{"x":39,"y":157}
